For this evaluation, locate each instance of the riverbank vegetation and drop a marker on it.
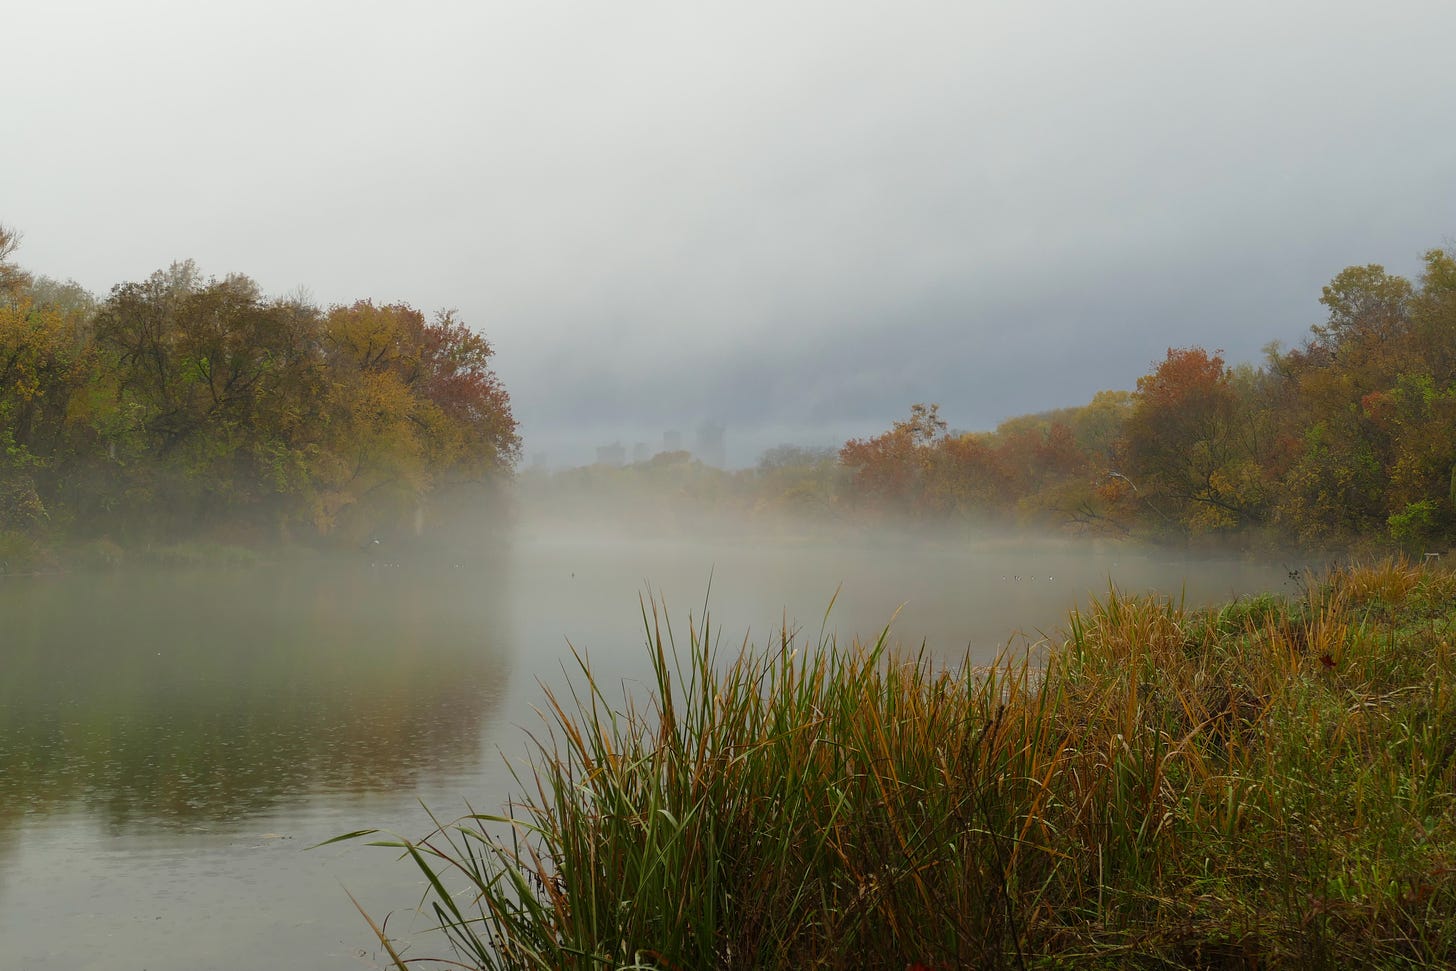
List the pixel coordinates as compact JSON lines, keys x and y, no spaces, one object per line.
{"x":1347,"y":442}
{"x":1267,"y":784}
{"x":182,"y":407}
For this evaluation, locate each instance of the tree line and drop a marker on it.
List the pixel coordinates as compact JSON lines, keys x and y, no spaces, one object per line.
{"x":183,"y":404}
{"x":1348,"y":440}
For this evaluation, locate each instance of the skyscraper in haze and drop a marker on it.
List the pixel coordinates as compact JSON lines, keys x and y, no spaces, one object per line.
{"x":710,"y":448}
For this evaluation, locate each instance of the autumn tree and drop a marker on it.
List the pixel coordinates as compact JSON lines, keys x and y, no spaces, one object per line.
{"x":889,"y":473}
{"x":38,"y":364}
{"x":1369,"y":310}
{"x":1433,"y":315}
{"x":203,"y":354}
{"x":12,"y":277}
{"x":796,"y":480}
{"x":964,"y":477}
{"x":456,"y":376}
{"x":1370,"y":405}
{"x":413,"y":407}
{"x":1191,"y":444}
{"x":182,"y":402}
{"x":268,"y":408}
{"x":224,"y":380}
{"x":1098,"y":425}
{"x":1416,"y":414}
{"x":1024,"y":470}
{"x":45,"y":366}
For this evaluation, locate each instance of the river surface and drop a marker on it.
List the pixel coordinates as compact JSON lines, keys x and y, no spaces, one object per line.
{"x":172,"y":743}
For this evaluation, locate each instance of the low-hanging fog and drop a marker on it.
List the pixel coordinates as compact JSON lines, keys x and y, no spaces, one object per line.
{"x":174,"y":736}
{"x":769,"y":224}
{"x":964,"y":592}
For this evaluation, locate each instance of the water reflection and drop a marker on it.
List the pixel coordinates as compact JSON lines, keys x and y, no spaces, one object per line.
{"x":158,"y":732}
{"x":183,"y":701}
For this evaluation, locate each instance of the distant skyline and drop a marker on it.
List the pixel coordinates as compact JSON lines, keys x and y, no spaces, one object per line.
{"x":792,"y":219}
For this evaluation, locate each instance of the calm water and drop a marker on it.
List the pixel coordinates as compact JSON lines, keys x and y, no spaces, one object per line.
{"x":170,"y":743}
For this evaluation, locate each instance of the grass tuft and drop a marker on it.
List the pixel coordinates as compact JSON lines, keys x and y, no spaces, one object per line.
{"x":1270,"y":783}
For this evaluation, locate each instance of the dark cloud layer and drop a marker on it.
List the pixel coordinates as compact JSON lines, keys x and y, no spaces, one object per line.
{"x":795,"y":218}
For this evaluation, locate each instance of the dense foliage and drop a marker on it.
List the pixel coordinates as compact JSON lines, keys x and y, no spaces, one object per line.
{"x":182,"y":405}
{"x":1346,"y":441}
{"x":1349,"y":438}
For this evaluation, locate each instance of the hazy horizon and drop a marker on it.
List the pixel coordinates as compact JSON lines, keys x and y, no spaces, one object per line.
{"x":792,"y":221}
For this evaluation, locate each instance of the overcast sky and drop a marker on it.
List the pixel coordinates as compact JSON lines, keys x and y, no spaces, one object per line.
{"x":792,"y":218}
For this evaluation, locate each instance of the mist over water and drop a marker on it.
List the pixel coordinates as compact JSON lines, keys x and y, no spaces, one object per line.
{"x":171,"y":741}
{"x":955,"y":592}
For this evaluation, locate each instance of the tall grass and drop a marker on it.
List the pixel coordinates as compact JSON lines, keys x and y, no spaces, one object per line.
{"x":1267,"y":784}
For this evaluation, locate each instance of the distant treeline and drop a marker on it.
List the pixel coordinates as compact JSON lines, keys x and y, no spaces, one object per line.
{"x":1348,"y":440}
{"x":181,"y":406}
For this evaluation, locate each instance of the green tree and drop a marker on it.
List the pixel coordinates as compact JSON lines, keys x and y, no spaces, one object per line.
{"x":226,"y":383}
{"x":1368,"y":404}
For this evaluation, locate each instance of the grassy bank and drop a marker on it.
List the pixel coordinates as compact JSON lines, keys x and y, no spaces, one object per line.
{"x":1272,"y":783}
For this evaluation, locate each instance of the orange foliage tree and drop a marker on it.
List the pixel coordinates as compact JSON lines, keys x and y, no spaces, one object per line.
{"x":1189,"y":446}
{"x":890,"y":473}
